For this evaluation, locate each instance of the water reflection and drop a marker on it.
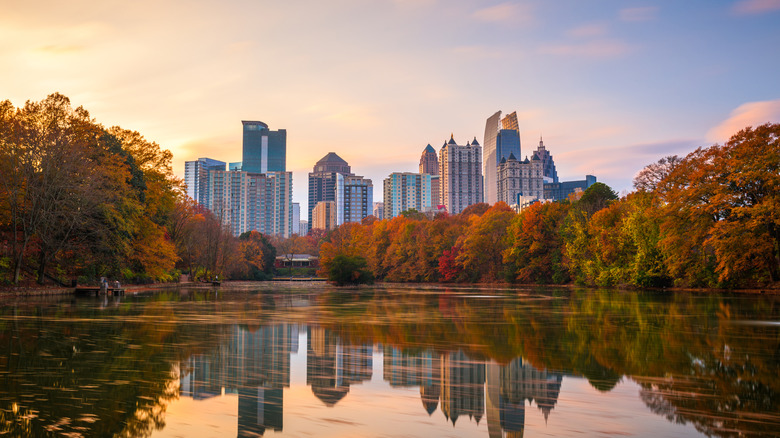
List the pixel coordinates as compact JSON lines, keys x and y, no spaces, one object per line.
{"x":255,"y":365}
{"x":480,"y":363}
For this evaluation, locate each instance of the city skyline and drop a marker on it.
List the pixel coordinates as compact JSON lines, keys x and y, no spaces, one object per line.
{"x":611,"y":87}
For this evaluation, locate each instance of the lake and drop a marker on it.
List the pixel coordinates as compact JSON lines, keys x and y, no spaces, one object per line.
{"x":277,"y":359}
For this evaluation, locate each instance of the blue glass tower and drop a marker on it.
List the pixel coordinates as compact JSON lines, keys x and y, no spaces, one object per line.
{"x":264,"y":150}
{"x":507,"y":143}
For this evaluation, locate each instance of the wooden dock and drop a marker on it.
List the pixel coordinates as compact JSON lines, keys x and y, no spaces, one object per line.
{"x":94,"y":290}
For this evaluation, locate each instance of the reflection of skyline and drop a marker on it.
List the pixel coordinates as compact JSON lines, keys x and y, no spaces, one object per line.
{"x":468,"y":387}
{"x":253,"y":364}
{"x":332,"y":366}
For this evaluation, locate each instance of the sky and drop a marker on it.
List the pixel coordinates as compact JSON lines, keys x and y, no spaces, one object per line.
{"x":611,"y":85}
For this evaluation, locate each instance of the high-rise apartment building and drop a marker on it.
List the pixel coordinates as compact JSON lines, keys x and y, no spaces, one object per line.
{"x":460,"y":173}
{"x":304,"y":227}
{"x":324,"y":216}
{"x":406,"y":190}
{"x":264,"y":150}
{"x":254,"y":194}
{"x":196,"y":177}
{"x":520,"y":178}
{"x":354,"y":198}
{"x":502,"y":138}
{"x":322,"y":180}
{"x":252,"y":201}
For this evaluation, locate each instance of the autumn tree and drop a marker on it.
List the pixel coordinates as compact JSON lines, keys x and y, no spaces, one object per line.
{"x":721,"y":223}
{"x":535,"y":250}
{"x":647,"y":179}
{"x":483,"y":244}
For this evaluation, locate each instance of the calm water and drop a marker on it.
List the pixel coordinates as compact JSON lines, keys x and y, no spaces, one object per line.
{"x":308,"y":360}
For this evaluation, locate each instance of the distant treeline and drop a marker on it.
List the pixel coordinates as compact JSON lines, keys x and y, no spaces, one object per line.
{"x":80,"y":201}
{"x":710,"y":219}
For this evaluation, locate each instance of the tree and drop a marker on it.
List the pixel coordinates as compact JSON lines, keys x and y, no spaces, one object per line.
{"x":647,"y":179}
{"x":721,"y":213}
{"x":596,"y":197}
{"x":290,"y":246}
{"x":257,"y":255}
{"x":352,"y":270}
{"x":535,"y":250}
{"x":485,"y":240}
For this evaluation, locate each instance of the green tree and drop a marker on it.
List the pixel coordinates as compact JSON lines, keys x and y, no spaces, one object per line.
{"x":349,"y":270}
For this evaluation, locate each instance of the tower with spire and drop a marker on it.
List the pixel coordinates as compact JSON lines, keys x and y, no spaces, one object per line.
{"x":460,"y":174}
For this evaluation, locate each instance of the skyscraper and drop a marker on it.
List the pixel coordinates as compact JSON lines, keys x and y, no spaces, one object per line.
{"x":264,"y":150}
{"x":499,"y":143}
{"x":354,"y":198}
{"x":460,"y":173}
{"x":252,"y":201}
{"x":405,"y":190}
{"x":322,"y":180}
{"x":429,"y":163}
{"x":196,"y":177}
{"x":520,"y":178}
{"x":548,"y":165}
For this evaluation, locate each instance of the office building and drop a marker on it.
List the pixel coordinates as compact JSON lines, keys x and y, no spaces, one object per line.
{"x":196,"y":177}
{"x":324,"y":216}
{"x":502,"y":138}
{"x":520,"y":179}
{"x":460,"y":173}
{"x":354,"y":198}
{"x":322,"y":180}
{"x":560,"y":190}
{"x":379,"y":210}
{"x":264,"y":150}
{"x":406,"y":190}
{"x":429,"y":163}
{"x":304,"y":227}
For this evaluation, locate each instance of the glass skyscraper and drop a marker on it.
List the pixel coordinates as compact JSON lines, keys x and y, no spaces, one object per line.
{"x":502,"y":139}
{"x":196,"y":177}
{"x":264,"y":150}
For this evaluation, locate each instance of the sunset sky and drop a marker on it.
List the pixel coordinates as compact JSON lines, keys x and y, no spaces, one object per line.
{"x":611,"y":85}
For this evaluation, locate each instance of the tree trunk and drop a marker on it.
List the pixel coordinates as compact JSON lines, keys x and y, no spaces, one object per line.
{"x":42,"y":267}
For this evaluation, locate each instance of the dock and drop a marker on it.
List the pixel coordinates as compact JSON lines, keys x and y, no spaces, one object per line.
{"x":94,"y":290}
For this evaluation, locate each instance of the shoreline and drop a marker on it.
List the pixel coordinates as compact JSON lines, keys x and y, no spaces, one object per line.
{"x":11,"y":292}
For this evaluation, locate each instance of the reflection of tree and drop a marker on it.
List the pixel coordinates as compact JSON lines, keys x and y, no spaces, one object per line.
{"x":71,"y":370}
{"x":673,"y":345}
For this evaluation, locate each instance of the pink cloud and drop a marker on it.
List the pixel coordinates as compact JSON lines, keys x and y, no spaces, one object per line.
{"x":591,"y":49}
{"x":748,"y":114}
{"x":505,"y":12}
{"x":749,"y":7}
